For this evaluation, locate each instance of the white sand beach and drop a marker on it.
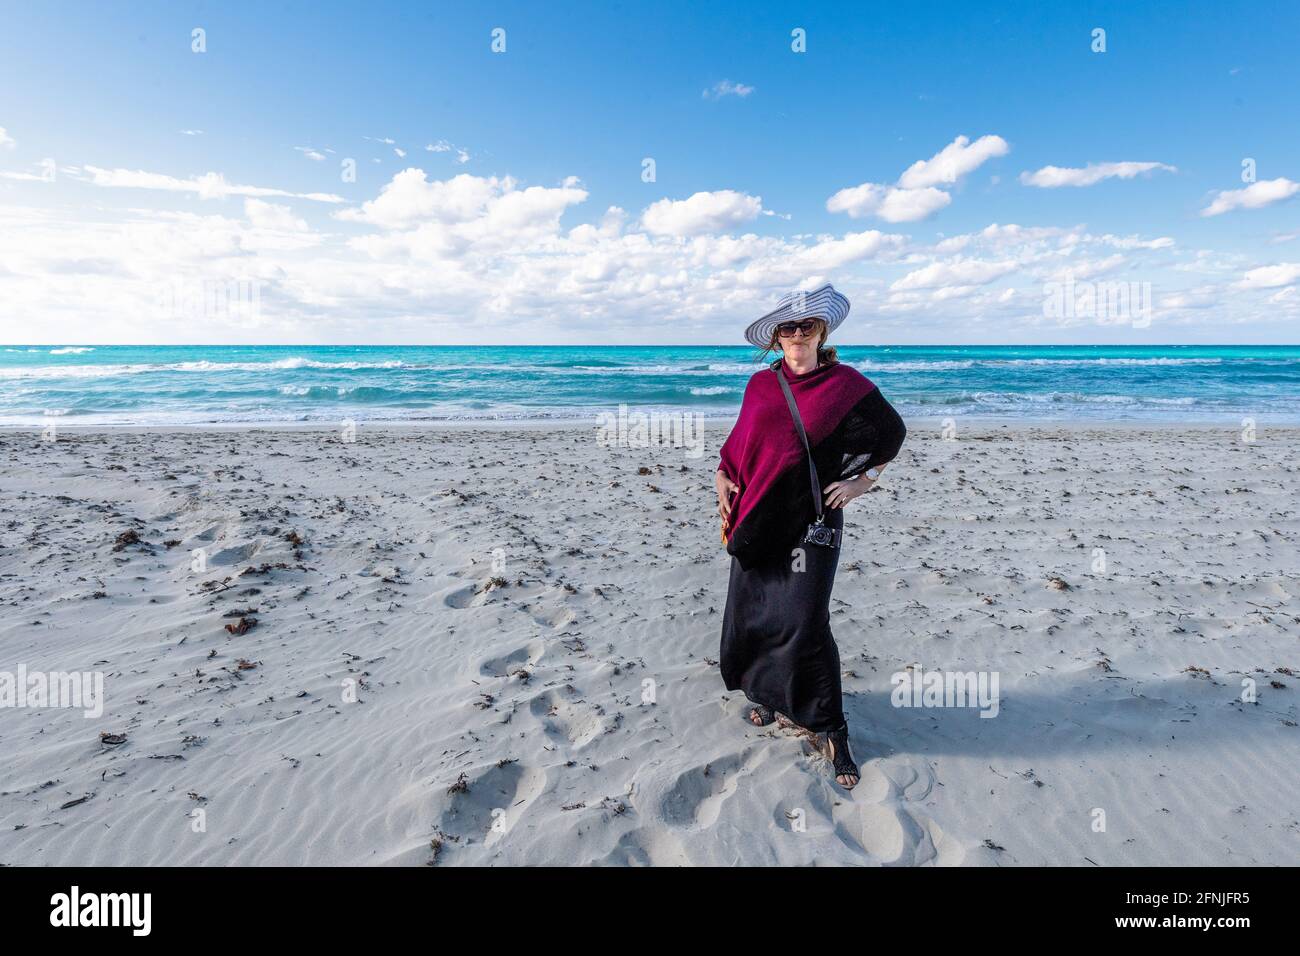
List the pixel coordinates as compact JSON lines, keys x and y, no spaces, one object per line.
{"x":498,"y":646}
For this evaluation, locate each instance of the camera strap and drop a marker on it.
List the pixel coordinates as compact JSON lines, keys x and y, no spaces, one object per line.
{"x":803,"y":437}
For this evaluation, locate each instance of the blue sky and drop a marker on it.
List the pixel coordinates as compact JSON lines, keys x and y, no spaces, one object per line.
{"x":476,"y":241}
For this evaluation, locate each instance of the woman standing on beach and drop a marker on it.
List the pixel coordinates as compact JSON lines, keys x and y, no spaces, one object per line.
{"x":782,"y":483}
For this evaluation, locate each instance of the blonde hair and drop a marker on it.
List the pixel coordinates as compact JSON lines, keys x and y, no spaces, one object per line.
{"x":826,"y":354}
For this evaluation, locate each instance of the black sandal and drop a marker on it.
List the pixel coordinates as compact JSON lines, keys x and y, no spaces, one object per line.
{"x":838,"y":753}
{"x":764,"y":712}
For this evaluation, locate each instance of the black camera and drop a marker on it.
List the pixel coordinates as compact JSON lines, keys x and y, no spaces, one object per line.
{"x":822,"y":536}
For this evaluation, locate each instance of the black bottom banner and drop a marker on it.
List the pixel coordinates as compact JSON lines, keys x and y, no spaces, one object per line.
{"x":306,"y":906}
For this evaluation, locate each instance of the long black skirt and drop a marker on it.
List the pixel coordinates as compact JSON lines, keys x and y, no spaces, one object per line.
{"x":776,"y":634}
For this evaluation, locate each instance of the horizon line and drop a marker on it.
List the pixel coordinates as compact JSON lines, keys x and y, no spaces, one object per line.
{"x":643,"y":345}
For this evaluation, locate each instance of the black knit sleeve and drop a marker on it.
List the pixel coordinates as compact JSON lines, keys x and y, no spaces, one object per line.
{"x":871,"y":435}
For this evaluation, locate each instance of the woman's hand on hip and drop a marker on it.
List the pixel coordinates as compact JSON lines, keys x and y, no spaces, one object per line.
{"x":840,"y":493}
{"x":726,"y":488}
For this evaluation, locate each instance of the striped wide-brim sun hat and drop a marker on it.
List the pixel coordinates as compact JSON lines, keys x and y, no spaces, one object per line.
{"x":820,"y":303}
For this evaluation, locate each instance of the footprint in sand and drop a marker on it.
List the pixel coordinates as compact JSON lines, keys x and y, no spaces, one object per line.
{"x":697,"y":795}
{"x":884,"y":819}
{"x":648,"y":846}
{"x":235,"y":554}
{"x":558,"y":617}
{"x":576,"y":724}
{"x":507,"y":664}
{"x":471,"y":595}
{"x":496,"y":800}
{"x":462,"y":597}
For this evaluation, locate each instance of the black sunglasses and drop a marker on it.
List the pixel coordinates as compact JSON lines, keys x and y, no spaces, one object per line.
{"x":787,"y":329}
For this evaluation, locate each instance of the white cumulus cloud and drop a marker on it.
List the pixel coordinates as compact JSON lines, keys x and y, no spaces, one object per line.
{"x":955,"y":272}
{"x":1054,"y":177}
{"x":916,"y":195}
{"x":954,"y":161}
{"x":888,"y":202}
{"x":704,"y":212}
{"x":1271,"y":277}
{"x":266,"y":215}
{"x":446,"y":220}
{"x":1255,"y":196}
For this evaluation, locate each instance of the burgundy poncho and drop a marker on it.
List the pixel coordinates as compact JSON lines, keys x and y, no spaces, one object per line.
{"x":850,"y":428}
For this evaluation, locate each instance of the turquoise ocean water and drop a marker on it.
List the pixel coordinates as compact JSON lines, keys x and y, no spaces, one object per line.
{"x":226,"y":384}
